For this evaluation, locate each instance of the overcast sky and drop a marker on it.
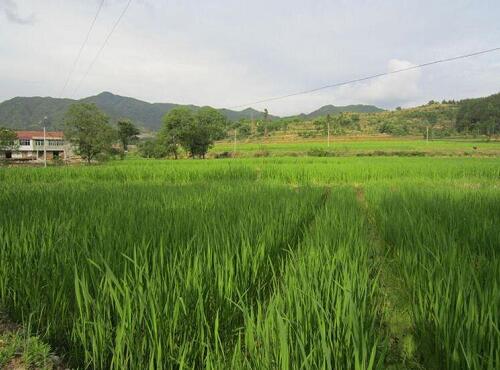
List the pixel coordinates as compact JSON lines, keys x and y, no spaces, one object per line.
{"x":226,"y":53}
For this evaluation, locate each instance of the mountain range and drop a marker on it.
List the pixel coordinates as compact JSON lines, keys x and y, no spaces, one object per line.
{"x":28,"y":112}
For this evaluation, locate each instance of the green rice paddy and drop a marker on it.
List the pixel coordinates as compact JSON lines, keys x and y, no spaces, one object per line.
{"x":346,"y":147}
{"x":257,"y":263}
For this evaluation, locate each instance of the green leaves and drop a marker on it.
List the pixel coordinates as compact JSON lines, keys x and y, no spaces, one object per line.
{"x":195,"y":132}
{"x":251,"y":264}
{"x":8,"y":139}
{"x":126,"y":132}
{"x":87,"y":129}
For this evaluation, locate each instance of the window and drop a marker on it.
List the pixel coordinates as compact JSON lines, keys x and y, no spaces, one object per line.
{"x":56,"y":142}
{"x":24,"y":142}
{"x":50,"y":142}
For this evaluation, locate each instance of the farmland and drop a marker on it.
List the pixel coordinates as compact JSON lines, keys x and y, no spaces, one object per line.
{"x":346,"y":262}
{"x":363,"y":145}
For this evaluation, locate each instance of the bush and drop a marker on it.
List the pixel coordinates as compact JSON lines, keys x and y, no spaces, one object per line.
{"x":223,"y":155}
{"x":320,"y":153}
{"x":262,"y":153}
{"x":152,"y":149}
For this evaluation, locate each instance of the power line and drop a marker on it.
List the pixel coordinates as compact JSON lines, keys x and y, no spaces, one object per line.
{"x":81,"y":49}
{"x":103,"y":45}
{"x":337,"y":84}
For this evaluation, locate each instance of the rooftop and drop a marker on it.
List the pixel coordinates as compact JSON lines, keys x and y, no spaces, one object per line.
{"x":39,"y":134}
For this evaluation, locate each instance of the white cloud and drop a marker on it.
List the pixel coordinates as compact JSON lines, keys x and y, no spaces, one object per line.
{"x":226,"y":53}
{"x":11,"y":12}
{"x":393,"y":89}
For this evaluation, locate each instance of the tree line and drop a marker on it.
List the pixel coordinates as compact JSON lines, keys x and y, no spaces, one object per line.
{"x":480,"y":116}
{"x":93,"y":137}
{"x":89,"y":131}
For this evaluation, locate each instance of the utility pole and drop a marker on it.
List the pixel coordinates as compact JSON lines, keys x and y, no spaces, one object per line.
{"x":44,"y":142}
{"x":427,"y":134}
{"x":234,"y":144}
{"x":44,"y":148}
{"x":328,"y":128}
{"x":328,"y":133}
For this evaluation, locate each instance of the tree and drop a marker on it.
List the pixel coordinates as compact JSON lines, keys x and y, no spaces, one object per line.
{"x":152,"y":149}
{"x":266,"y":118}
{"x":480,"y":115}
{"x":175,"y":124}
{"x":87,"y":128}
{"x":127,"y":132}
{"x":196,"y":133}
{"x":208,"y":127}
{"x":8,"y":139}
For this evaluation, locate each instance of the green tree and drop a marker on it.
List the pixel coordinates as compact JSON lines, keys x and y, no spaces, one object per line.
{"x":175,"y":124}
{"x":266,"y":118}
{"x":8,"y":139}
{"x":127,"y":132}
{"x":196,"y":133}
{"x":152,"y":149}
{"x":209,"y":126}
{"x":480,"y":116}
{"x":87,"y":128}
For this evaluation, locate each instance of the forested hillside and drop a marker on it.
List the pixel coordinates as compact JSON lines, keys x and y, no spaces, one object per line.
{"x":479,"y":116}
{"x":441,"y":119}
{"x":28,"y":112}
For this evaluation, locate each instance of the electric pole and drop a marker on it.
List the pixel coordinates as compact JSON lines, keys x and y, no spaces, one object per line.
{"x":44,"y":148}
{"x":234,"y":144}
{"x":328,"y":128}
{"x":44,"y":141}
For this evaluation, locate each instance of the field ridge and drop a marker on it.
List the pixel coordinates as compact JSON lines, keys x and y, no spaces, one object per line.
{"x":300,"y":232}
{"x":396,"y":319}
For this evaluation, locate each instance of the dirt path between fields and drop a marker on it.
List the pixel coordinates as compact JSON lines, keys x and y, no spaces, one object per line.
{"x":396,"y":317}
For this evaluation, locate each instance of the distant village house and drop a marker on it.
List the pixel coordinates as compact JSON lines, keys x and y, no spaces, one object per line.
{"x":30,"y":145}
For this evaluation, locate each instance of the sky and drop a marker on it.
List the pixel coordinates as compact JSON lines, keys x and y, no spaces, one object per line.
{"x":229,"y":53}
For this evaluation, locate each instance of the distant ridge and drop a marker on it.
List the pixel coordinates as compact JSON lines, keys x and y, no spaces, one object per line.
{"x":332,"y":109}
{"x":27,"y":112}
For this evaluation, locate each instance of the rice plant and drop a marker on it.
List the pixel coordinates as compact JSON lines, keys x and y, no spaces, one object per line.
{"x":446,"y":244}
{"x":253,"y":263}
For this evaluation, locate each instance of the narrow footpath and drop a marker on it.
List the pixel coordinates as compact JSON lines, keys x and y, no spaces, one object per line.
{"x":396,"y":318}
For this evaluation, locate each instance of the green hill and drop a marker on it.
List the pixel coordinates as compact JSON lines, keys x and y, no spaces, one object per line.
{"x":332,"y":109}
{"x":476,"y":116}
{"x":28,"y":112}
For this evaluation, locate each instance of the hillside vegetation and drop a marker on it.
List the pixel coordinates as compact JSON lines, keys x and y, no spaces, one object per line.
{"x":479,"y":116}
{"x":23,"y":113}
{"x":449,"y":118}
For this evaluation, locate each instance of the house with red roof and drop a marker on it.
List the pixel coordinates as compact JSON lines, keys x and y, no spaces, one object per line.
{"x":35,"y":145}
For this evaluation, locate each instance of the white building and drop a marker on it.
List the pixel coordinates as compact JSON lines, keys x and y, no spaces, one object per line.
{"x":31,"y":146}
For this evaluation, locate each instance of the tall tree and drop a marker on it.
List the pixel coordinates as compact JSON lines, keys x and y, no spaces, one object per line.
{"x":266,"y":118}
{"x":208,"y":127}
{"x":194,"y":132}
{"x":87,"y":128}
{"x":175,"y":124}
{"x":127,"y":132}
{"x":8,"y":139}
{"x":480,"y":115}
